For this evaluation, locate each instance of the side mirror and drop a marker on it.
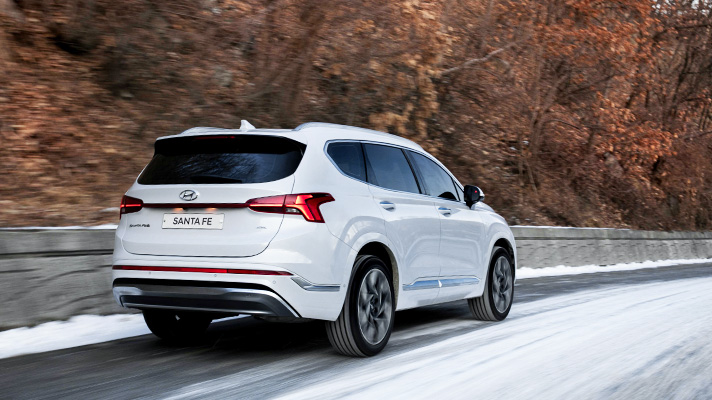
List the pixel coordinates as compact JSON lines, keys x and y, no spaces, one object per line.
{"x":473,"y":195}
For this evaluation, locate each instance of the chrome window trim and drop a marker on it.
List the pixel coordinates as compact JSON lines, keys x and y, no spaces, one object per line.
{"x":326,"y":146}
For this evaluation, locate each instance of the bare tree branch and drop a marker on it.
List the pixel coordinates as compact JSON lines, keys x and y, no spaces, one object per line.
{"x":696,"y":135}
{"x":477,"y":60}
{"x":548,"y":121}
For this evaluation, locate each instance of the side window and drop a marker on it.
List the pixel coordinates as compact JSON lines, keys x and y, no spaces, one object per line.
{"x":348,"y":156}
{"x":388,"y":168}
{"x":437,"y":182}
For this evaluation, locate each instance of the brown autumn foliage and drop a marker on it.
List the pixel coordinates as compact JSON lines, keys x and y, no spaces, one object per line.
{"x":583,"y":113}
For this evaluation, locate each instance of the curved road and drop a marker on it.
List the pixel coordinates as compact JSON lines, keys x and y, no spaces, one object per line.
{"x":636,"y":334}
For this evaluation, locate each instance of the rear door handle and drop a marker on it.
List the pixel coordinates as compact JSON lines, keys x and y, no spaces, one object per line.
{"x":444,"y":210}
{"x":388,"y":205}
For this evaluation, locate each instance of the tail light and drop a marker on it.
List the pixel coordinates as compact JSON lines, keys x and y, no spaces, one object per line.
{"x":306,"y":204}
{"x":130,"y":205}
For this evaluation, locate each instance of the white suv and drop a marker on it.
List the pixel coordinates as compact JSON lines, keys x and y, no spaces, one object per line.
{"x":328,"y":222}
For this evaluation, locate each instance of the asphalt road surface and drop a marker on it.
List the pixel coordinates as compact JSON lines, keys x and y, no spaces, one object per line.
{"x":636,"y":334}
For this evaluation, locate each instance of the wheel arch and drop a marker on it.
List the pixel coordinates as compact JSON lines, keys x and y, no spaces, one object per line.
{"x":505,"y":244}
{"x":382,"y":251}
{"x":509,"y":248}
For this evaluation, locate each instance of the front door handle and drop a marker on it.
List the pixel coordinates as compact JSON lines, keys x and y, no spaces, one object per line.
{"x":388,"y":205}
{"x":444,"y":210}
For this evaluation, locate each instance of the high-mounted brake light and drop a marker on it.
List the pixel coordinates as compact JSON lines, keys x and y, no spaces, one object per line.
{"x":306,"y":204}
{"x":130,"y":205}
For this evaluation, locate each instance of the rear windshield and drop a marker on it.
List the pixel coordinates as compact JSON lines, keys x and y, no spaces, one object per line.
{"x":222,"y":159}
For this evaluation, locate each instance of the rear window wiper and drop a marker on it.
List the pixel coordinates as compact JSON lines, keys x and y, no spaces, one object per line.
{"x":213,"y":179}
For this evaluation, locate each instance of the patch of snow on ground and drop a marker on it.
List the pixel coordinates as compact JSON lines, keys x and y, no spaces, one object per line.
{"x":525,"y":273}
{"x":636,"y":341}
{"x":77,"y":331}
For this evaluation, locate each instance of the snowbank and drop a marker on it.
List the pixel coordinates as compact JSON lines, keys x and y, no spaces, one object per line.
{"x":525,"y":273}
{"x":77,"y":331}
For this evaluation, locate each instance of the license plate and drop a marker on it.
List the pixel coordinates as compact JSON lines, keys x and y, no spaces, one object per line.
{"x":193,"y":221}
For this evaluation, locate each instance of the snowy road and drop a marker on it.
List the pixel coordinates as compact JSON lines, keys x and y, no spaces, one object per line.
{"x":631,"y":334}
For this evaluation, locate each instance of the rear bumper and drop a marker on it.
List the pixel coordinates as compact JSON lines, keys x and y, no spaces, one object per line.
{"x":201,"y":296}
{"x":265,"y":295}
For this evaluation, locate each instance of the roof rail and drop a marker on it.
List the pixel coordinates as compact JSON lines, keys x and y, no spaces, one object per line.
{"x":348,"y":127}
{"x":330,"y":125}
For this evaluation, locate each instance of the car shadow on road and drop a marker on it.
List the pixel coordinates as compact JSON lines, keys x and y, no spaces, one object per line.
{"x":251,"y":335}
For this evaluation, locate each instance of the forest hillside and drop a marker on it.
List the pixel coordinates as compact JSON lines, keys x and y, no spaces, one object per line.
{"x":578,"y":113}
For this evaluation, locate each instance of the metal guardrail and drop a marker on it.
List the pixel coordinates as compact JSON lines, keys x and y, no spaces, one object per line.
{"x":50,"y":275}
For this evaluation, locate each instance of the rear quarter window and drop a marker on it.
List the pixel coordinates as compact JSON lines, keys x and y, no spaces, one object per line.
{"x":222,"y":159}
{"x":348,"y":157}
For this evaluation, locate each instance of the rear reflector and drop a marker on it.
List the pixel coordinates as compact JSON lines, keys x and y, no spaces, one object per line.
{"x":306,"y":204}
{"x":129,"y":205}
{"x":203,"y":270}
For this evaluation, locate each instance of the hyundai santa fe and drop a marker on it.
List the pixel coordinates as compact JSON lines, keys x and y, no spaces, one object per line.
{"x":328,"y":222}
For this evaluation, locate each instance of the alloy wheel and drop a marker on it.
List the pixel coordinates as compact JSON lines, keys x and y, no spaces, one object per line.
{"x":374,"y":306}
{"x":502,"y":284}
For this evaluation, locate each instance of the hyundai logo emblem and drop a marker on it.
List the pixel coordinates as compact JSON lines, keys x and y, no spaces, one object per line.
{"x":188,"y":195}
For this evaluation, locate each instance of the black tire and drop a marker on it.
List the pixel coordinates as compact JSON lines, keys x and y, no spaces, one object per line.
{"x":177,"y":327}
{"x":366,"y":322}
{"x":490,"y":306}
